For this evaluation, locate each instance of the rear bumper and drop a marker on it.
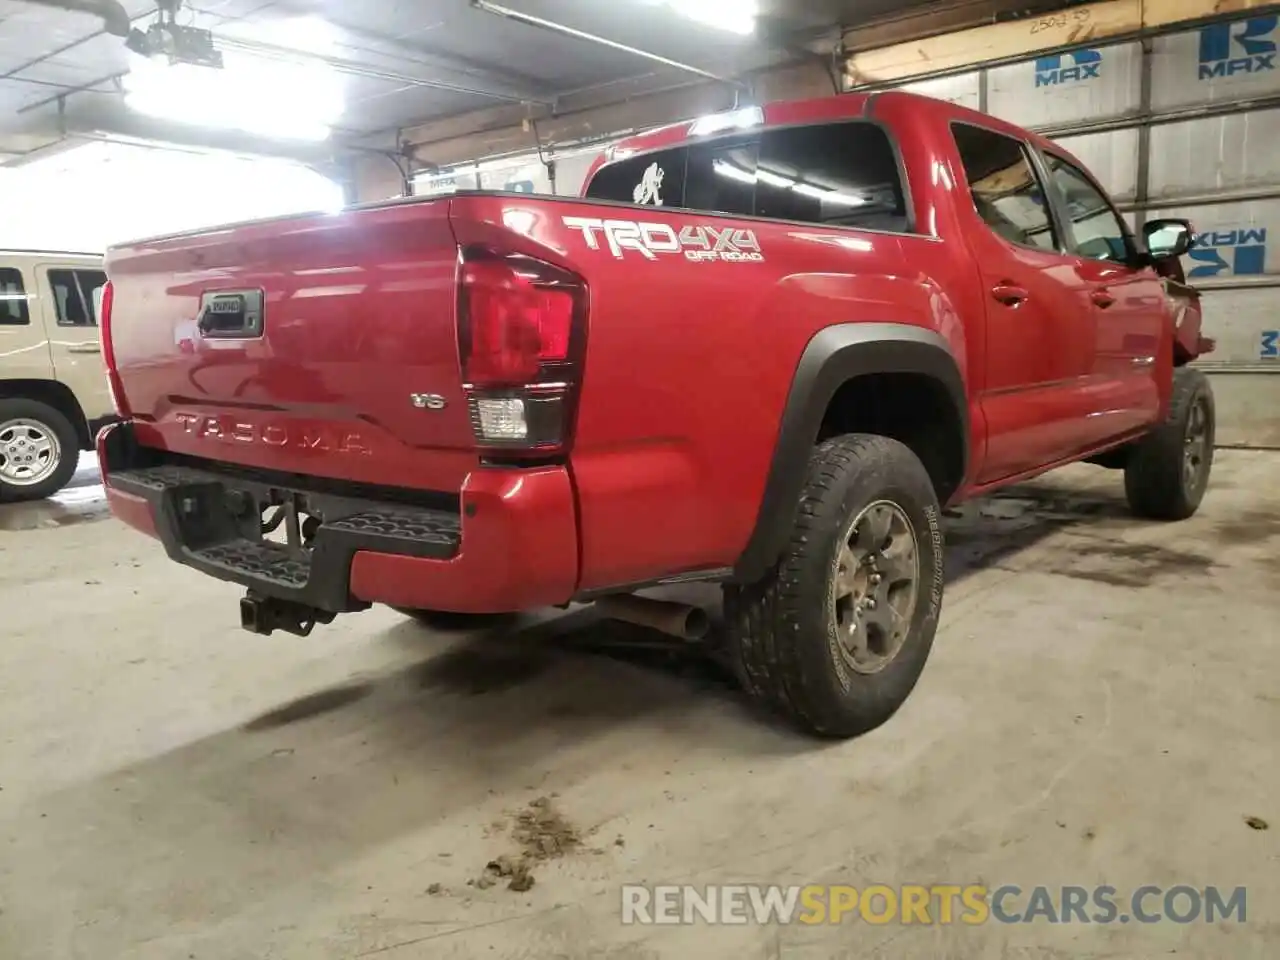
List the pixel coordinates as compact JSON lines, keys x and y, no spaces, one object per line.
{"x":507,"y":542}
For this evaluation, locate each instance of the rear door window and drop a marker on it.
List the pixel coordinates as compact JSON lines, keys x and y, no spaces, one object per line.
{"x":836,"y":174}
{"x":1005,"y":189}
{"x":13,"y":298}
{"x":720,"y":177}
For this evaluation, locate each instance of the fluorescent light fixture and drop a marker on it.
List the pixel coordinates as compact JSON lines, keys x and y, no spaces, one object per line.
{"x":734,"y":16}
{"x":829,"y":196}
{"x":730,"y":172}
{"x":774,"y":180}
{"x":299,"y":100}
{"x":743,"y":119}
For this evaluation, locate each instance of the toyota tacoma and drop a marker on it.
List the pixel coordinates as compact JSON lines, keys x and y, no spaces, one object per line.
{"x":764,"y":349}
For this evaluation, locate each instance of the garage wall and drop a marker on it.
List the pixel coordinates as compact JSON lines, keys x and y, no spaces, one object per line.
{"x":101,"y":193}
{"x":526,"y":173}
{"x":1187,"y":125}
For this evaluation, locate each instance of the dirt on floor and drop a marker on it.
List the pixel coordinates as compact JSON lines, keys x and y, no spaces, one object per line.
{"x":1100,"y":709}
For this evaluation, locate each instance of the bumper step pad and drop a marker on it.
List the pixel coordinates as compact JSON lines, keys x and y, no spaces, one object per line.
{"x":212,"y":522}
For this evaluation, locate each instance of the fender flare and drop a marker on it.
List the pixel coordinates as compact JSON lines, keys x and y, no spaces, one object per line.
{"x":836,"y":355}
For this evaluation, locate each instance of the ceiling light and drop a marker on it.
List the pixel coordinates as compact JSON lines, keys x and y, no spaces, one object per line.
{"x":735,"y":16}
{"x":743,"y":119}
{"x":290,"y":100}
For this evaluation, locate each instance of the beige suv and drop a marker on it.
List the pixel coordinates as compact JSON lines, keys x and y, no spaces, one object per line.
{"x":53,"y":386}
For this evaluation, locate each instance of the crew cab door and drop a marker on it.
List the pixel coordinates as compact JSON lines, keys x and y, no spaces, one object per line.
{"x":1041,"y":326}
{"x":69,"y":300}
{"x":1128,"y":300}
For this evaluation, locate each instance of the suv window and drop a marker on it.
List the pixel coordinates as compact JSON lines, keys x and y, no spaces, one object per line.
{"x":13,"y":298}
{"x":73,"y":296}
{"x":1098,"y":232}
{"x":835,"y":174}
{"x":1005,"y":189}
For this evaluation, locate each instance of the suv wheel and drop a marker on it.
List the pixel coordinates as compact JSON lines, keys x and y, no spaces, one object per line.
{"x":836,"y":636}
{"x":1168,"y":470}
{"x":39,"y":450}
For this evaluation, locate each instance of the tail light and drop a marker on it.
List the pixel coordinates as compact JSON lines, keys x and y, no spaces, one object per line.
{"x":522,"y":336}
{"x":109,"y":351}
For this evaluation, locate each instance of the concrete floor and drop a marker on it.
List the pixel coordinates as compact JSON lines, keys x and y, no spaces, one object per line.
{"x":1101,"y":707}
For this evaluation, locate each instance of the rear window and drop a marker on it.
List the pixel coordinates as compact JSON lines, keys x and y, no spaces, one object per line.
{"x":13,"y":298}
{"x":656,"y":179}
{"x":841,"y":174}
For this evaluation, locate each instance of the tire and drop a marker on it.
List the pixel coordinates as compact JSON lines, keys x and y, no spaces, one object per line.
{"x":1168,"y":472}
{"x":31,"y":429}
{"x":788,"y":633}
{"x":446,"y":622}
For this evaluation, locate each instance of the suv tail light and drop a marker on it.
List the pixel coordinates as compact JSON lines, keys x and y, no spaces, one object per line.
{"x":522,"y":336}
{"x":109,"y":352}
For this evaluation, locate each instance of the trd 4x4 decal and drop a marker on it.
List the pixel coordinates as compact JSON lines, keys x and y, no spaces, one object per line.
{"x":700,"y":244}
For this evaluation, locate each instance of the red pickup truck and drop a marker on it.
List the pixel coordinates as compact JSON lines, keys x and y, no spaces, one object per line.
{"x":765,"y":349}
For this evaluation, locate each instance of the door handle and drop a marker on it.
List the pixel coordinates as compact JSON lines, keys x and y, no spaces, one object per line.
{"x":1009,"y":294}
{"x":1103,"y":298}
{"x":93,"y":347}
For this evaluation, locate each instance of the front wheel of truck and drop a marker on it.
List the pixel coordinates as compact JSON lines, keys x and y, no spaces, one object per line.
{"x":837,"y":634}
{"x":1168,"y":470}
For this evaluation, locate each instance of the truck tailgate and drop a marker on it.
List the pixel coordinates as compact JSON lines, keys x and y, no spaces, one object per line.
{"x":349,"y":370}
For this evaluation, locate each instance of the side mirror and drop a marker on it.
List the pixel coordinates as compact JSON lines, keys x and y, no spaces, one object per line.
{"x":97,"y":303}
{"x":1168,"y":238}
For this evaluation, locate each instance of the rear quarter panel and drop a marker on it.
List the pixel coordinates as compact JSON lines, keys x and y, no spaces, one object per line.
{"x":689,"y":365}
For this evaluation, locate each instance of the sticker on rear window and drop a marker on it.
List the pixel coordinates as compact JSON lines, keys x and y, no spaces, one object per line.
{"x":648,"y":191}
{"x":697,"y":243}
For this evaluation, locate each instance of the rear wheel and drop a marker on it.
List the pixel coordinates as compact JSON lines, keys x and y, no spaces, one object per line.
{"x":836,"y":636}
{"x":39,"y":450}
{"x":1168,"y":470}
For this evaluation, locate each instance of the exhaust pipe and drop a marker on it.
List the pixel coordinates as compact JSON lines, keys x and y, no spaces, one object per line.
{"x":679,"y":620}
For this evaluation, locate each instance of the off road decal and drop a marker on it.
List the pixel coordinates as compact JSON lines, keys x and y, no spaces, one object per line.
{"x":699,"y":244}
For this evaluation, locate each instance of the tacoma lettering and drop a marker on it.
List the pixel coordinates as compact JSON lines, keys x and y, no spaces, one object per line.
{"x":229,"y":430}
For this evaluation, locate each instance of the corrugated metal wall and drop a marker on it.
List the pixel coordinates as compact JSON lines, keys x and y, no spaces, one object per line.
{"x":1186,"y":124}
